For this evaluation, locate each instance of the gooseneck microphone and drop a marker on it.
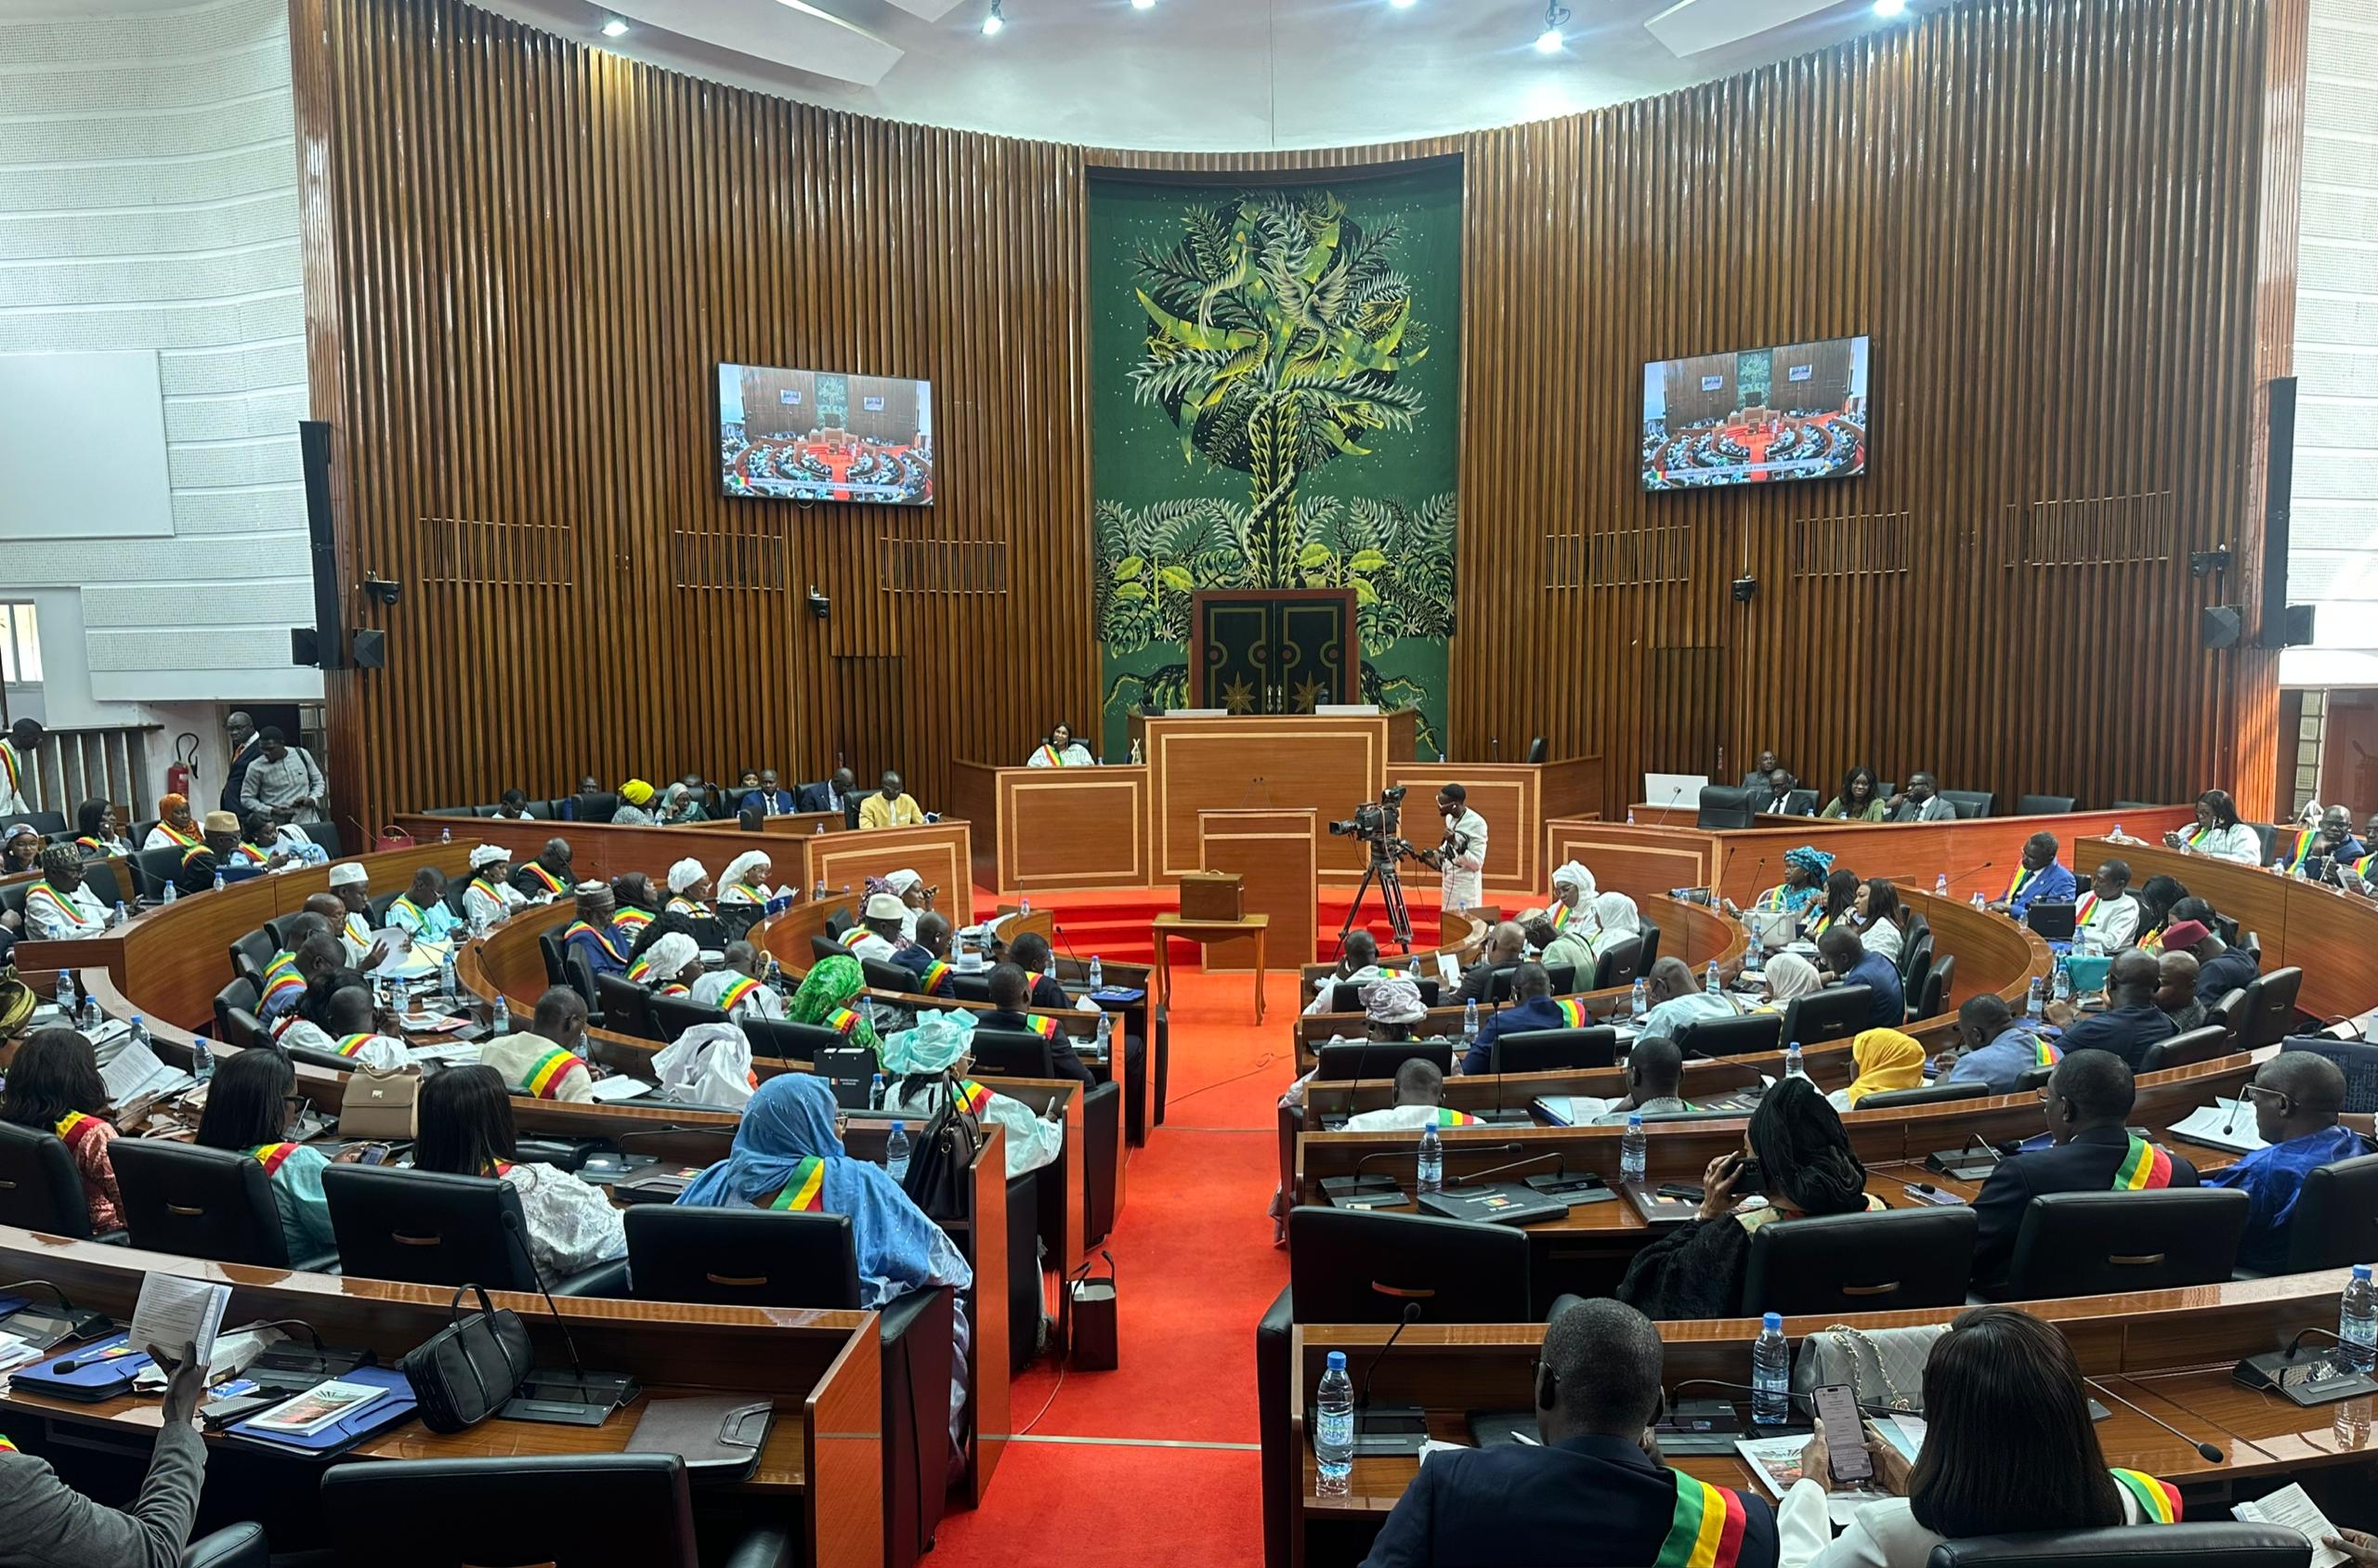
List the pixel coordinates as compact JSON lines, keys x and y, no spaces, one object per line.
{"x":1411,"y":1315}
{"x":2211,"y":1452}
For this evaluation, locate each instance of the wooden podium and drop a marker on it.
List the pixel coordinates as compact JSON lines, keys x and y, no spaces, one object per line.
{"x":1272,"y":851}
{"x":1332,"y":762}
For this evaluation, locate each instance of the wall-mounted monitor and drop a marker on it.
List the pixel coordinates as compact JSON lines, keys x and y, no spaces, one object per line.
{"x":824,"y":435}
{"x":1756,"y":417}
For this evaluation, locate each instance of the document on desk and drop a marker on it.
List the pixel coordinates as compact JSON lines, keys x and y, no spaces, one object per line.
{"x":618,"y":1087}
{"x":2290,"y":1508}
{"x":1775,"y":1462}
{"x":174,"y":1312}
{"x":1571,"y":1110}
{"x":2225,"y":1124}
{"x":133,"y":1072}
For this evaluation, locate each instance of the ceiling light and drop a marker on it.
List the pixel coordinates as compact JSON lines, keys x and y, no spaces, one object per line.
{"x":614,"y":27}
{"x":1401,"y":5}
{"x":1887,"y":8}
{"x":993,"y":22}
{"x":1143,"y":5}
{"x":1549,"y":41}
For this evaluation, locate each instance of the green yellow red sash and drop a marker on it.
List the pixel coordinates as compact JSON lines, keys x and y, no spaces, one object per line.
{"x":856,"y":935}
{"x":551,"y":882}
{"x":1558,"y":914}
{"x":2197,"y":835}
{"x":2153,"y":942}
{"x":272,"y":1156}
{"x":2144,"y":1168}
{"x":636,"y":919}
{"x":842,"y":1020}
{"x":2159,"y":1500}
{"x":805,"y":1193}
{"x":930,"y":978}
{"x":640,"y":971}
{"x":2085,"y":908}
{"x":15,"y":771}
{"x":1056,"y":758}
{"x":545,"y":1078}
{"x":1573,"y":1013}
{"x":1045,"y":1028}
{"x":67,"y":912}
{"x":1448,"y":1116}
{"x":687,"y":907}
{"x":2015,"y":885}
{"x":188,"y":841}
{"x":735,"y":993}
{"x":73,"y":1127}
{"x":1706,"y":1530}
{"x":281,"y":982}
{"x":494,"y":894}
{"x":6,"y":1446}
{"x":673,"y":989}
{"x":197,"y":848}
{"x":2047,"y":1054}
{"x":756,"y":892}
{"x":349,"y":1045}
{"x":499,"y":1169}
{"x":2305,"y":843}
{"x":602,"y":938}
{"x":973,"y":1097}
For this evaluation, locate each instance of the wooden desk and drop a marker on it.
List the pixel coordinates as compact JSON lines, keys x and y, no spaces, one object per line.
{"x":940,"y":852}
{"x":1167,"y":926}
{"x":1274,"y":855}
{"x":1330,"y":764}
{"x":1516,"y":799}
{"x":1037,"y":827}
{"x":599,"y":850}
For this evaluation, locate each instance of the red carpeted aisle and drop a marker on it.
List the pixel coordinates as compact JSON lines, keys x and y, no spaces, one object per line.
{"x":1088,"y":1481}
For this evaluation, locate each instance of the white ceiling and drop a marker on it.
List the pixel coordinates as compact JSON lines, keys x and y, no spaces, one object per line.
{"x":1221,"y":75}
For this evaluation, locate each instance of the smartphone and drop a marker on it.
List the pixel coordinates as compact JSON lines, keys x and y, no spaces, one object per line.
{"x":1683,"y":1192}
{"x":1845,"y":1434}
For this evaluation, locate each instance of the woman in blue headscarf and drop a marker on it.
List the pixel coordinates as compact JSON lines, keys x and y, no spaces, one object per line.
{"x":1805,"y":870}
{"x":788,"y":1154}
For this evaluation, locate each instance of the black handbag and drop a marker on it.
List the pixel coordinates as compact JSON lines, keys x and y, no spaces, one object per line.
{"x":463,"y":1373}
{"x":941,"y":1164}
{"x":1091,"y":1327}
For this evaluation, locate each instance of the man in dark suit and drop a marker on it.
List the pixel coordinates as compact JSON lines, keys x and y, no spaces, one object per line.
{"x":2220,"y":968}
{"x":1595,"y":1492}
{"x":839,"y":792}
{"x":2131,"y":1021}
{"x":1505,"y":945}
{"x":246,"y":747}
{"x":1534,"y":1010}
{"x":2089,"y":1097}
{"x":1009,"y":996}
{"x":771,"y":797}
{"x":1850,"y":963}
{"x":1772,"y":793}
{"x":928,"y":956}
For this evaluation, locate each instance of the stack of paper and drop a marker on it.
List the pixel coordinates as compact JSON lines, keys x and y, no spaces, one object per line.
{"x":2290,"y":1508}
{"x":133,"y":1072}
{"x":2225,"y":1124}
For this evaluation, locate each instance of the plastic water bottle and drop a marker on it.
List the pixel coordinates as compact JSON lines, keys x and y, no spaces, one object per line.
{"x":1470,"y":1021}
{"x":1022,"y":904}
{"x":895,"y":1152}
{"x":1711,"y":982}
{"x":875,"y":1093}
{"x":446,"y":974}
{"x":1333,"y":1430}
{"x":1097,"y":973}
{"x":1106,"y":1035}
{"x":1793,"y":1066}
{"x":140,"y":1036}
{"x":2119,"y":836}
{"x":501,"y":1023}
{"x":218,"y":879}
{"x":1940,"y":885}
{"x":1978,"y":901}
{"x":445,"y":835}
{"x":1630,"y":816}
{"x":1432,"y":1160}
{"x":92,"y":1018}
{"x":820,"y":832}
{"x":201,"y":1059}
{"x":1634,"y":1149}
{"x":1638,"y":1000}
{"x":1412,"y":971}
{"x":173,"y":891}
{"x":1770,"y":1374}
{"x":2033,"y":1007}
{"x":2063,"y":991}
{"x":2358,"y":1322}
{"x":66,"y":993}
{"x":122,"y":914}
{"x":2279,"y":867}
{"x":819,"y":897}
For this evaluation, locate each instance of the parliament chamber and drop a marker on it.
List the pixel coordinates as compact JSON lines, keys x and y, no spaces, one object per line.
{"x":1425,"y":795}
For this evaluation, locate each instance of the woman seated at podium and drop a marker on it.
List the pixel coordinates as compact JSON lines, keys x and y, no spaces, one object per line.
{"x":1805,"y":870}
{"x":923,"y":1065}
{"x":1061,"y":749}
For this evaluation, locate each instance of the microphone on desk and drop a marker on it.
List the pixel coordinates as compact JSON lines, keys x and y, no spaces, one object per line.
{"x":606,"y":1389}
{"x":1560,"y":1160}
{"x":1411,"y":1315}
{"x":2206,"y":1449}
{"x":1495,"y":741}
{"x":1970,"y":871}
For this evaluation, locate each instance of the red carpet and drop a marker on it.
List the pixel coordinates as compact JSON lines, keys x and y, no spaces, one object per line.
{"x":1195,"y":1268}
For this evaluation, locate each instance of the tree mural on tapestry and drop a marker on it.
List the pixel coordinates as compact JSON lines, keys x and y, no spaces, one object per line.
{"x":1276,"y":391}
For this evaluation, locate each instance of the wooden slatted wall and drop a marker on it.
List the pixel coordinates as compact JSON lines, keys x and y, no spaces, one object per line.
{"x":2061,"y":220}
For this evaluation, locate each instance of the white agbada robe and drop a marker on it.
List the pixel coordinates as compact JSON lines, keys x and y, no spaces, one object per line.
{"x":1461,"y":882}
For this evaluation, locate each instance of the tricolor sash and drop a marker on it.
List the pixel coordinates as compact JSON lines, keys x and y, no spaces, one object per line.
{"x":1032,"y":978}
{"x":687,"y":907}
{"x":2015,"y":885}
{"x":10,"y":765}
{"x":41,"y":892}
{"x":6,"y":1446}
{"x":973,"y":1097}
{"x":1056,"y":758}
{"x":1707,"y":1529}
{"x":74,"y":1127}
{"x":1573,"y":1013}
{"x":636,"y":919}
{"x":2159,"y":1500}
{"x":2153,"y":942}
{"x":1448,"y":1116}
{"x":805,"y":1193}
{"x":737,"y":993}
{"x":856,"y":935}
{"x":282,"y":983}
{"x":1560,"y":915}
{"x":272,"y":1156}
{"x":603,"y":938}
{"x":1046,"y":1027}
{"x":1823,"y":923}
{"x":2305,"y":841}
{"x":499,"y":1169}
{"x":842,"y":1020}
{"x":675,"y":989}
{"x":349,"y":1045}
{"x":252,"y":854}
{"x":2085,"y":908}
{"x":2046,"y":1054}
{"x":2197,"y":834}
{"x":2143,"y":1168}
{"x":404,"y":901}
{"x":494,"y":894}
{"x":545,"y":1079}
{"x":358,"y":931}
{"x":197,"y":848}
{"x":97,"y":847}
{"x":756,"y":892}
{"x":551,"y":883}
{"x":188,"y":841}
{"x":640,"y":971}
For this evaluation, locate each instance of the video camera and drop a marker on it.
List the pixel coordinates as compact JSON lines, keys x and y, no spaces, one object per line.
{"x":1379,"y":823}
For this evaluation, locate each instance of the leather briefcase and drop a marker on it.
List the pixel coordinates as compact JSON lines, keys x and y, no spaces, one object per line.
{"x":1209,"y":895}
{"x":379,"y":1103}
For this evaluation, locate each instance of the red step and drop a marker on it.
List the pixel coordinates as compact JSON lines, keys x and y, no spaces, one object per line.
{"x":1114,"y":922}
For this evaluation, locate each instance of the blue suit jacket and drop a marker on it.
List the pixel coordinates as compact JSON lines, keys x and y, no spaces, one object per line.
{"x":2053,"y":884}
{"x":1537,"y":1014}
{"x":1590,"y":1502}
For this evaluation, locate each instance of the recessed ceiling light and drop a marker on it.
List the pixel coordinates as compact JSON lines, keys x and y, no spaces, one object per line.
{"x":994,"y":22}
{"x":1401,"y":5}
{"x":1143,"y":5}
{"x":1887,"y":8}
{"x":1549,"y":41}
{"x":613,"y":27}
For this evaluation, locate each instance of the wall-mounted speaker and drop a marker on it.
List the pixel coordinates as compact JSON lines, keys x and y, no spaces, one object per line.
{"x":2220,"y":626}
{"x":304,"y":647}
{"x":2299,"y":624}
{"x":371,"y":650}
{"x":314,"y":452}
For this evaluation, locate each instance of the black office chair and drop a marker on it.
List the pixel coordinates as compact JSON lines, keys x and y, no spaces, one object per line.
{"x":426,"y":1227}
{"x":837,"y":921}
{"x":977,"y":987}
{"x":674,"y":1015}
{"x":1799,"y":803}
{"x":580,"y":1511}
{"x":50,"y":824}
{"x":2186,"y":1049}
{"x":1650,"y":937}
{"x":1618,"y":964}
{"x":1502,"y":984}
{"x":885,"y":976}
{"x":549,"y":948}
{"x":2099,"y":1244}
{"x":2031,"y":1079}
{"x":2233,"y":1015}
{"x":156,"y":867}
{"x":1835,"y":1264}
{"x":99,"y":877}
{"x":1836,"y":1012}
{"x":1934,"y":998}
{"x":240,"y":996}
{"x":250,"y":951}
{"x":788,"y":1041}
{"x":1536,"y":750}
{"x":1349,"y":1267}
{"x":600,"y":807}
{"x":327,"y":836}
{"x":2273,"y":1018}
{"x":199,"y":1202}
{"x":1746,"y":1035}
{"x":2334,"y":1223}
{"x":1013,"y":1053}
{"x":1970,"y":803}
{"x":1376,"y":1058}
{"x":1722,"y":806}
{"x":1545,"y":1051}
{"x":2046,"y":805}
{"x":578,"y":973}
{"x":1930,"y":1094}
{"x":626,"y":1007}
{"x":234,"y":1545}
{"x":822,"y":948}
{"x":1914,"y":964}
{"x":2219,"y":1544}
{"x":40,"y":1189}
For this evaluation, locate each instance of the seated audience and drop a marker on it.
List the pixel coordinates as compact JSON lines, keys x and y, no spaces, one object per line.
{"x":20,"y":847}
{"x":2176,"y":991}
{"x":2107,"y":914}
{"x":1654,"y":1079}
{"x":247,"y":1112}
{"x":2220,"y":968}
{"x":689,"y":888}
{"x":1882,"y":919}
{"x":1789,"y":976}
{"x":1846,"y":956}
{"x":1061,"y":749}
{"x":745,"y":880}
{"x":596,"y":931}
{"x":1570,"y":947}
{"x":1010,"y":991}
{"x":1837,"y":901}
{"x":927,"y":953}
{"x":1615,"y":919}
{"x":548,"y":876}
{"x":512,"y":805}
{"x":45,"y":1522}
{"x":921,"y":1064}
{"x":421,"y":911}
{"x":833,"y":794}
{"x":2131,"y":1021}
{"x":1571,"y":908}
{"x":282,"y":845}
{"x":2297,"y":1097}
{"x":1772,"y":794}
{"x":60,"y":907}
{"x":2041,"y":878}
{"x":683,"y":802}
{"x":1030,"y":953}
{"x":1995,"y":1047}
{"x":350,"y":1027}
{"x":345,"y":908}
{"x":1768,"y":763}
{"x":639,"y":905}
{"x":490,"y":895}
{"x":2087,"y":1101}
{"x":1884,"y":1060}
{"x":890,"y":807}
{"x":1804,"y":1163}
{"x":218,"y":849}
{"x":1505,"y":945}
{"x":1921,"y":801}
{"x":737,"y":988}
{"x":668,"y":965}
{"x":546,"y":1063}
{"x":834,"y":996}
{"x":1420,"y":1102}
{"x":290,"y":970}
{"x":877,"y":934}
{"x":1533,"y":1009}
{"x":2156,"y":897}
{"x":1357,"y":960}
{"x":53,"y":1085}
{"x":98,"y":832}
{"x":466,"y":1131}
{"x":2009,"y":1448}
{"x":1594,"y":1490}
{"x":1805,"y":870}
{"x":914,"y":896}
{"x":771,"y":796}
{"x":582,"y":804}
{"x":1859,"y":801}
{"x":2219,"y":834}
{"x":1678,"y":997}
{"x":1392,"y":1012}
{"x":175,"y":828}
{"x":2333,"y":846}
{"x":636,"y":799}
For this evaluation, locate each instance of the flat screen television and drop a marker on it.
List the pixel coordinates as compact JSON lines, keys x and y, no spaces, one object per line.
{"x":1756,"y":417}
{"x":824,"y":435}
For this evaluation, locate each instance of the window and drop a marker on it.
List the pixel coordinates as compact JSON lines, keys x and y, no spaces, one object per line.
{"x":19,"y":645}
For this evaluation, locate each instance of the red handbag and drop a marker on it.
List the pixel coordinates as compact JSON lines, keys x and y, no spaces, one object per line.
{"x":392,"y":838}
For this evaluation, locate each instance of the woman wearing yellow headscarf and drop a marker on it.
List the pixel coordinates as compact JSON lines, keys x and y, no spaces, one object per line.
{"x":1885,"y":1059}
{"x":635,"y":795}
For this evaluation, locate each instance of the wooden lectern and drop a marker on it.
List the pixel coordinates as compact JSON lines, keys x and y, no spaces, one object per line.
{"x":1272,"y":851}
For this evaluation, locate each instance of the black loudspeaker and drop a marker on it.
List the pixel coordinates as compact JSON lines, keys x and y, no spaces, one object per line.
{"x":302,"y":649}
{"x":2220,"y":626}
{"x":371,"y":650}
{"x":2299,"y":626}
{"x":314,"y":448}
{"x":2279,"y":510}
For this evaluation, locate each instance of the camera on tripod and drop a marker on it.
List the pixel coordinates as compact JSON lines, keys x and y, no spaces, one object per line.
{"x":1375,"y":822}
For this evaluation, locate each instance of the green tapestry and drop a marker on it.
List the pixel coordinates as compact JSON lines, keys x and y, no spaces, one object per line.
{"x":1275,"y":376}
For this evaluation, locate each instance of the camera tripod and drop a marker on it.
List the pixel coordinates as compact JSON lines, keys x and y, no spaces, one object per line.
{"x":1391,"y":888}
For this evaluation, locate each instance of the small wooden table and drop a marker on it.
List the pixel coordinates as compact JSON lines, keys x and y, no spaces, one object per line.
{"x":1167,"y":926}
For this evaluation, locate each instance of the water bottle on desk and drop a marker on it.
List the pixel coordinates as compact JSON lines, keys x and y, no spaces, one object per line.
{"x":1024,"y":904}
{"x":1097,"y":973}
{"x":1711,"y":982}
{"x":445,"y":835}
{"x":1795,"y":1066}
{"x":1634,"y":1150}
{"x":1431,"y":1168}
{"x":1940,"y":885}
{"x":2063,"y":991}
{"x":92,"y":1018}
{"x":1333,"y":1430}
{"x":1978,"y":901}
{"x":1770,"y":1374}
{"x":2119,"y":836}
{"x":1470,"y":1021}
{"x":1630,"y":816}
{"x":122,"y":914}
{"x":139,"y":1034}
{"x":218,"y":879}
{"x":2034,"y":1006}
{"x":66,"y":993}
{"x":895,"y":1152}
{"x":1638,"y":1000}
{"x":446,"y":974}
{"x":501,"y":1024}
{"x":173,"y":891}
{"x":875,"y":1093}
{"x":201,"y":1059}
{"x":2358,"y":1322}
{"x":1107,"y":1037}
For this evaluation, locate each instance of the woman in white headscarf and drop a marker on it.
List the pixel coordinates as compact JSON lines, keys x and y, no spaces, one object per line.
{"x":1614,"y":919}
{"x":910,"y":889}
{"x":745,"y":880}
{"x":1789,"y":976}
{"x":1571,"y":908}
{"x":922,"y":1064}
{"x":670,"y":966}
{"x":689,"y":885}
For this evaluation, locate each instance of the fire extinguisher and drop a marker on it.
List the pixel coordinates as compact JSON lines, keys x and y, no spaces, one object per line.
{"x":184,"y":773}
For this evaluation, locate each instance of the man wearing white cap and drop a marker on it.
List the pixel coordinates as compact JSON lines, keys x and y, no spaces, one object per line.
{"x":352,"y":885}
{"x":878,"y":934}
{"x":490,"y":896}
{"x":920,"y":1065}
{"x":688,"y":886}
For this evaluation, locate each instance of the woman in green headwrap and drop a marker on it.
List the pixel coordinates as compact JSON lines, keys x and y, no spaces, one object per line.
{"x":920,"y":1063}
{"x":829,"y":997}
